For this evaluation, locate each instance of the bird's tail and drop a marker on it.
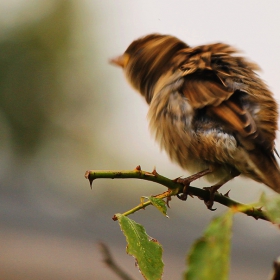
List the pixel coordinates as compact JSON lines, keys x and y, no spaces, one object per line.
{"x":266,"y":169}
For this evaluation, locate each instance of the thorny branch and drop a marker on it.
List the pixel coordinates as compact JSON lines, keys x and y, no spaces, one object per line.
{"x":174,"y":188}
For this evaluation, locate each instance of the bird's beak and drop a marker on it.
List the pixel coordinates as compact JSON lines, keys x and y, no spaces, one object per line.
{"x":120,"y":60}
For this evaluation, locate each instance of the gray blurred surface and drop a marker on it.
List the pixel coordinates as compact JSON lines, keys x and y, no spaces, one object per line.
{"x":64,"y":109}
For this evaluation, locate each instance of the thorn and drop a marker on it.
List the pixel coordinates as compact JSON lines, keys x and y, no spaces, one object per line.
{"x":114,"y":218}
{"x":251,"y":213}
{"x":168,"y":199}
{"x":260,"y":208}
{"x":176,"y":179}
{"x":88,"y":177}
{"x":138,"y":168}
{"x":154,"y":171}
{"x":227,"y":193}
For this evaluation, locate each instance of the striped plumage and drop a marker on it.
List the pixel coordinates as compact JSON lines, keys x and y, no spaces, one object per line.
{"x":208,"y":107}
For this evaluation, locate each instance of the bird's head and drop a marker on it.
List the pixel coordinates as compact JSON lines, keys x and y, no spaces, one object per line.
{"x":146,"y":59}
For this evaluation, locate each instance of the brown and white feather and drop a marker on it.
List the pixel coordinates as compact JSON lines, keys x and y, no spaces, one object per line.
{"x":208,"y":107}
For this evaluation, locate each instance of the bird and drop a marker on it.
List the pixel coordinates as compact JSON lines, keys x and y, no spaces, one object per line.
{"x":208,"y":109}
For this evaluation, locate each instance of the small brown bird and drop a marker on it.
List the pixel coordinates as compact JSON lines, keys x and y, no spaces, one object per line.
{"x":208,"y":109}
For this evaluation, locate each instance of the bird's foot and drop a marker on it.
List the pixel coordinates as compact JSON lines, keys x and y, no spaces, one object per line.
{"x":186,"y":183}
{"x":212,"y":190}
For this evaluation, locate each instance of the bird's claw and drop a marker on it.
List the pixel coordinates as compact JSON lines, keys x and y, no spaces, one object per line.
{"x":185,"y":193}
{"x":186,"y":183}
{"x":209,"y":203}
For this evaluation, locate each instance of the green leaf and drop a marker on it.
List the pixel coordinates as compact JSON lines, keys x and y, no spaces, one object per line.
{"x":272,"y":207}
{"x":146,"y":250}
{"x":209,"y":257}
{"x":160,"y":204}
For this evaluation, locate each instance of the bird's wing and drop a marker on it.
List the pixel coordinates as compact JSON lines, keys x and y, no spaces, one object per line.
{"x":215,"y":79}
{"x":226,"y":87}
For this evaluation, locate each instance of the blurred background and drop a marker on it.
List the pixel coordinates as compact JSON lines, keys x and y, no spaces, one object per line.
{"x":64,"y":110}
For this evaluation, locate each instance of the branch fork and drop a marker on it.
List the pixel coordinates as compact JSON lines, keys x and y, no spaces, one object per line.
{"x":173,"y":189}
